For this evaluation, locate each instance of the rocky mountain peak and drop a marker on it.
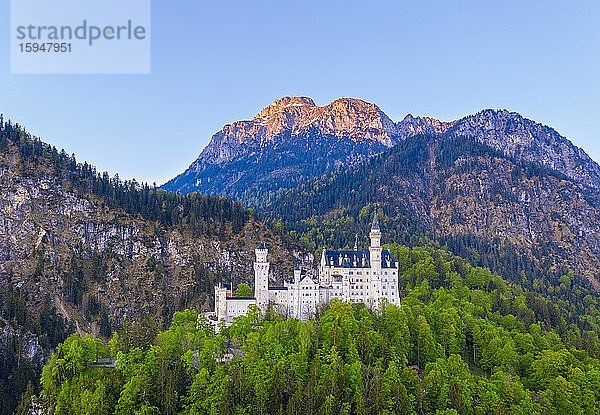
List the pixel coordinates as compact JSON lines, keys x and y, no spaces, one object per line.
{"x":350,"y":105}
{"x":349,"y":118}
{"x":293,"y":101}
{"x":284,"y":104}
{"x":352,"y":118}
{"x":411,"y":126}
{"x":527,"y":140}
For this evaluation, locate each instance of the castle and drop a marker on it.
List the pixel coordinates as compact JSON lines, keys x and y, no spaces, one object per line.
{"x":360,"y":276}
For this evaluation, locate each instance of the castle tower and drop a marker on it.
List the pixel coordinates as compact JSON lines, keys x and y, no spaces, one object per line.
{"x":220,"y":302}
{"x":375,"y":256}
{"x":297,"y":274}
{"x":375,"y":233}
{"x":261,"y":277}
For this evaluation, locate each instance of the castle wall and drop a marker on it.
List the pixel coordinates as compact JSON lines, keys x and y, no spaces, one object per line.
{"x":359,"y":276}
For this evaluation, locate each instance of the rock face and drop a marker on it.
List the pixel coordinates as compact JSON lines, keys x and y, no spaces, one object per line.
{"x":526,"y":140}
{"x":294,"y":140}
{"x":61,"y":245}
{"x":131,"y":266}
{"x":289,"y":141}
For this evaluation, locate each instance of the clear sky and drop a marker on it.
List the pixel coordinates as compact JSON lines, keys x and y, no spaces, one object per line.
{"x":214,"y":62}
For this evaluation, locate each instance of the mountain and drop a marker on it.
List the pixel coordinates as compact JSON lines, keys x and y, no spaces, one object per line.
{"x":81,"y":251}
{"x":505,"y":191}
{"x":526,"y":140}
{"x":293,"y":140}
{"x":84,"y":252}
{"x":519,"y":218}
{"x":289,"y":141}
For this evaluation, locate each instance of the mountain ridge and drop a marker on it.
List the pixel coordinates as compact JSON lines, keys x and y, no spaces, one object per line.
{"x":514,"y":216}
{"x":358,"y":129}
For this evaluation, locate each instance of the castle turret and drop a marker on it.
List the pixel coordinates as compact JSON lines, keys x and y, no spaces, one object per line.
{"x":375,"y":233}
{"x":221,"y":302}
{"x":261,"y":277}
{"x":297,"y":274}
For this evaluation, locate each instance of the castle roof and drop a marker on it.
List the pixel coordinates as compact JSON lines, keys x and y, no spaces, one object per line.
{"x":308,"y":278}
{"x":357,"y":259}
{"x":261,"y":246}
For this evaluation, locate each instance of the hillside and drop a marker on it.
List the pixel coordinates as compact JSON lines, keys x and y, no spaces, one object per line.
{"x":517,"y":217}
{"x":83,"y":252}
{"x":502,"y":190}
{"x":463,"y":341}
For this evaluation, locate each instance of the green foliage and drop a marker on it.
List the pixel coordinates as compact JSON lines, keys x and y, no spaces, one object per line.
{"x":19,"y":373}
{"x":332,"y":208}
{"x":243,"y":290}
{"x":461,"y":342}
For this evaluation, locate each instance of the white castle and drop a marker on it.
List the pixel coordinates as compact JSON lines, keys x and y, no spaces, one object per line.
{"x":359,"y":276}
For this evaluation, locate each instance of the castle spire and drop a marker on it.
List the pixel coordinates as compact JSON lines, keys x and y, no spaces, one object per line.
{"x":375,"y":233}
{"x":356,"y":242}
{"x":375,"y":224}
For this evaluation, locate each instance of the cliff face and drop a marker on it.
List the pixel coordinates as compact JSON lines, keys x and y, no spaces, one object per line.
{"x":294,"y":140}
{"x":131,"y":265}
{"x":287,"y":142}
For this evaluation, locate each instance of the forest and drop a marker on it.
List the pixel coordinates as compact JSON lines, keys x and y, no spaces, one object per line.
{"x":23,"y":317}
{"x":462,"y":341}
{"x":334,"y":209}
{"x":199,"y":214}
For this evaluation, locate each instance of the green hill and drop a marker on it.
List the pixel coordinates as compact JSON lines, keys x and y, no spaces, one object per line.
{"x":463,"y":341}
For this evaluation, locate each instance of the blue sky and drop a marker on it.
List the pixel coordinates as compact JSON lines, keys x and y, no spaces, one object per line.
{"x":220,"y":61}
